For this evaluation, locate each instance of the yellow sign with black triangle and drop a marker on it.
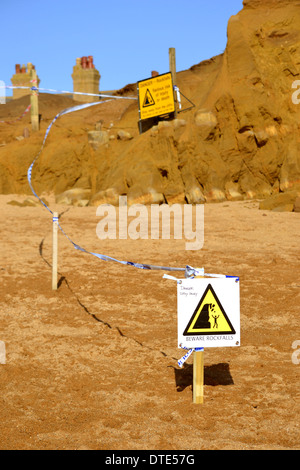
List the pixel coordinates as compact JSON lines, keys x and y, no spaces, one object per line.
{"x":209,"y":317}
{"x":148,"y":100}
{"x":156,"y":96}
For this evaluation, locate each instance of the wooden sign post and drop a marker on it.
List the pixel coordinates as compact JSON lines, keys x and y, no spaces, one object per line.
{"x":34,"y":100}
{"x":2,"y":353}
{"x":54,"y":251}
{"x":172,"y":65}
{"x":198,"y":377}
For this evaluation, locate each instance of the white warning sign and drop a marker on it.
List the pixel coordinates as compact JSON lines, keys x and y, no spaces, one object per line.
{"x":208,"y":312}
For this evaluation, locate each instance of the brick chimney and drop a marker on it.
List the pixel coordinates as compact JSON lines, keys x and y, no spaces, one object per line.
{"x":86,"y":79}
{"x":22,"y":77}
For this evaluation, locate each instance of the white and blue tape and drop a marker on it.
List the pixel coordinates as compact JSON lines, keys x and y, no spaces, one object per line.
{"x":187,"y":355}
{"x":188,"y":270}
{"x":50,"y":90}
{"x":77,"y":247}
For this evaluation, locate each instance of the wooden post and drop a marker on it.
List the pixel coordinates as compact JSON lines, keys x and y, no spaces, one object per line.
{"x":54,"y":251}
{"x":172,"y":63}
{"x":198,"y":377}
{"x":34,"y":100}
{"x":2,"y":353}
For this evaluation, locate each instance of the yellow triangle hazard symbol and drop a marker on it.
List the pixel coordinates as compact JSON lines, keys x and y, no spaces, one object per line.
{"x":209,"y":317}
{"x":148,"y":100}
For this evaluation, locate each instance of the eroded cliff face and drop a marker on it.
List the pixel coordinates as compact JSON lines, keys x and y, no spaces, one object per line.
{"x":267,"y":4}
{"x":258,"y":122}
{"x":241,"y":140}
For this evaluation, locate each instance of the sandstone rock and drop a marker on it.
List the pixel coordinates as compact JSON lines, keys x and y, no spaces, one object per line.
{"x":232,"y":192}
{"x":193,"y":191}
{"x":280,"y":202}
{"x":178,"y":123}
{"x":97,"y":138}
{"x":146,"y":197}
{"x":290,"y":170}
{"x":124,"y":135}
{"x":26,"y":133}
{"x":15,"y":203}
{"x":28,"y":202}
{"x":195,"y":196}
{"x":284,"y":208}
{"x":271,"y":131}
{"x":107,"y":196}
{"x":154,"y":131}
{"x":254,"y":186}
{"x":246,"y":142}
{"x":81,"y":202}
{"x":174,"y":197}
{"x":297,"y":205}
{"x":98,"y":125}
{"x":165,"y":124}
{"x":74,"y":197}
{"x":207,"y":122}
{"x":210,"y":170}
{"x":84,"y":182}
{"x":204,"y":117}
{"x":31,"y":202}
{"x":163,"y":127}
{"x":215,"y":195}
{"x":261,"y":137}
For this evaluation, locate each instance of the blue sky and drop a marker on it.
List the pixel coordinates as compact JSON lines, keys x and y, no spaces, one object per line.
{"x":128,"y":39}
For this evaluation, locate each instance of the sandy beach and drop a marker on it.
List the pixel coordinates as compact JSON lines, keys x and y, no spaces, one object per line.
{"x":93,"y":365}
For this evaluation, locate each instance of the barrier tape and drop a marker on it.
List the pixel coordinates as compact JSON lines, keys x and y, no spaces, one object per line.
{"x":77,"y":247}
{"x":193,"y":273}
{"x":178,"y":96}
{"x":187,"y":355}
{"x":61,"y":113}
{"x":99,"y":95}
{"x":19,"y":118}
{"x":188,"y":270}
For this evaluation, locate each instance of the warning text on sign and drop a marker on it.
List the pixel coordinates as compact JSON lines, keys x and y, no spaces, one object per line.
{"x":156,"y":96}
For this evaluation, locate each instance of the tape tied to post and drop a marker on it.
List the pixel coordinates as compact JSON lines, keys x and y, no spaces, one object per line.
{"x":187,"y":355}
{"x":178,"y":96}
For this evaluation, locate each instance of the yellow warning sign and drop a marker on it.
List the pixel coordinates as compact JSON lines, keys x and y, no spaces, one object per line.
{"x":148,"y":101}
{"x":209,"y":317}
{"x":156,"y":96}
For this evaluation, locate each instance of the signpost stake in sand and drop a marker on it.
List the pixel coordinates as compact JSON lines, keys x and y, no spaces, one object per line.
{"x":198,"y":377}
{"x":2,"y":353}
{"x":198,"y":373}
{"x":172,"y":64}
{"x":34,"y":100}
{"x":54,"y":251}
